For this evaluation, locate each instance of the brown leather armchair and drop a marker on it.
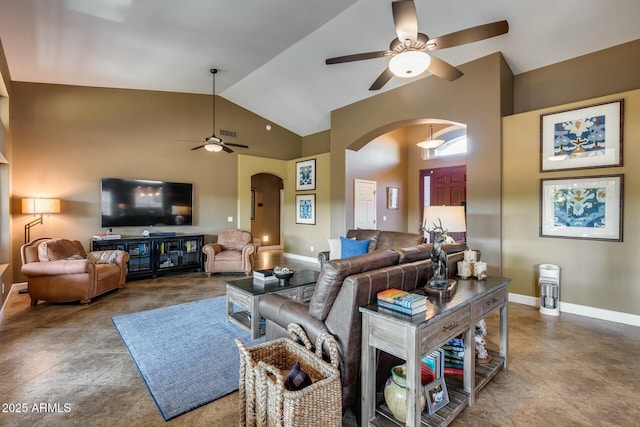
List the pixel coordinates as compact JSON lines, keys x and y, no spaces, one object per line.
{"x":233,"y":253}
{"x":59,"y":270}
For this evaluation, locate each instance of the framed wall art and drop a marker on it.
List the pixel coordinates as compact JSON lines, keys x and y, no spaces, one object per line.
{"x":306,"y":175}
{"x":392,"y":197}
{"x":589,"y":137}
{"x":582,"y":208}
{"x":305,"y":208}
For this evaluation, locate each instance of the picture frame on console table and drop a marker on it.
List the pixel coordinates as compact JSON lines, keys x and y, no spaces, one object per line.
{"x":588,"y":207}
{"x":306,"y":175}
{"x":306,"y":209}
{"x":437,"y":395}
{"x":587,"y":137}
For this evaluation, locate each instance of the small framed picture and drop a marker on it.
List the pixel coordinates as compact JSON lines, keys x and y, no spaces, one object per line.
{"x":306,"y":175}
{"x":305,"y":209}
{"x":437,"y":395}
{"x":582,"y":208}
{"x":588,"y":137}
{"x":392,"y":197}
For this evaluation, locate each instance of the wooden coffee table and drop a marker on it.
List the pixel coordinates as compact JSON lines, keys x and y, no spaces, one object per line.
{"x":245,"y":293}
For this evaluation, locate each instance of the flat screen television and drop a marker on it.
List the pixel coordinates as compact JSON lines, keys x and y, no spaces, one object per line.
{"x":137,"y":202}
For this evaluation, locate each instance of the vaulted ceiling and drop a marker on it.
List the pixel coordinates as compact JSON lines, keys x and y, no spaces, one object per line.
{"x":271,"y":53}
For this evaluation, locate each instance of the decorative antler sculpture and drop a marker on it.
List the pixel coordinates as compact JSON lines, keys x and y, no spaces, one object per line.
{"x":438,"y":258}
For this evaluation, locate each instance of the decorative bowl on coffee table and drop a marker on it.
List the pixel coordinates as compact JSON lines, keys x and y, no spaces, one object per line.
{"x":284,"y":277}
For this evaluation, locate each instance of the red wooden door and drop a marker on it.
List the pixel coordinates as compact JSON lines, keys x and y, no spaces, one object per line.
{"x":448,"y":187}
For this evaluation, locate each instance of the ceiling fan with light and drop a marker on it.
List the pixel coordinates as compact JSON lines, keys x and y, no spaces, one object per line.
{"x":408,"y":52}
{"x":213,"y":143}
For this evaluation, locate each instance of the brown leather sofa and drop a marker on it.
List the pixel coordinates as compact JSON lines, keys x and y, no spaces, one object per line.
{"x":59,"y":270}
{"x":232,"y":253}
{"x":343,"y":286}
{"x":379,"y":239}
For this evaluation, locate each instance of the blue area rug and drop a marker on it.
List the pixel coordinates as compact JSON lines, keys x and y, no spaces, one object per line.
{"x":185,"y":353}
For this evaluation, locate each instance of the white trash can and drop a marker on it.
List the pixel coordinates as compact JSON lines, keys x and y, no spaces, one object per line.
{"x":549,"y":282}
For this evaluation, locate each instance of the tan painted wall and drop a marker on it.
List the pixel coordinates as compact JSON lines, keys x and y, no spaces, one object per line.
{"x":593,"y":273}
{"x":299,"y":238}
{"x":600,"y":73}
{"x":316,"y":143}
{"x":65,"y":138}
{"x":383,"y":160}
{"x":475,"y":100}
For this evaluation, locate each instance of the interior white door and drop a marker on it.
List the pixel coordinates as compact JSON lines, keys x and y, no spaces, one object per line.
{"x":364,"y":210}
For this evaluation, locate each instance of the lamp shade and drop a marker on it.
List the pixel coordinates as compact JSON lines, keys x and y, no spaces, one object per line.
{"x":452,"y":217}
{"x":40,"y":206}
{"x":180,"y":210}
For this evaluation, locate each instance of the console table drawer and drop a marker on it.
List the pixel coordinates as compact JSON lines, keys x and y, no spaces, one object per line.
{"x":489,"y":303}
{"x":450,"y":326}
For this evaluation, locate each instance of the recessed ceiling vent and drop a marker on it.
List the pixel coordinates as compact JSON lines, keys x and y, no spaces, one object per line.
{"x":229,"y":133}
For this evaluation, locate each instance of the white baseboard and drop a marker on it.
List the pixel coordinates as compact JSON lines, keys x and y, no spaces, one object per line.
{"x":267,"y":248}
{"x":301,"y":257}
{"x":14,"y":290}
{"x":582,"y":310}
{"x":17,"y":287}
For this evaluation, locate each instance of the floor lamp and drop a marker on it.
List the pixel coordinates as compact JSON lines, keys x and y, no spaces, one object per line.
{"x":37,"y":206}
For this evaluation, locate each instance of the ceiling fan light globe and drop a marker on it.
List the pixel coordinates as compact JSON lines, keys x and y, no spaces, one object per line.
{"x":214,"y":148}
{"x":410,"y":63}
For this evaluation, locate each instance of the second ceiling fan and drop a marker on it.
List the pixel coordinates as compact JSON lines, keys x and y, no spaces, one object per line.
{"x":213,"y":143}
{"x":408,"y":52}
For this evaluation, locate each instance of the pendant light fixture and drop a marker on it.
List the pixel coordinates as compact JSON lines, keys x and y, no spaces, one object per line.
{"x":431,"y":143}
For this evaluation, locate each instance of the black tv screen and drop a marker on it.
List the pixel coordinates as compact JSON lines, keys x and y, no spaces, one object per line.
{"x":137,"y":202}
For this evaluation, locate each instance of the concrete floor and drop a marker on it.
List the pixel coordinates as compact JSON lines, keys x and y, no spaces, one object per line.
{"x":65,"y":364}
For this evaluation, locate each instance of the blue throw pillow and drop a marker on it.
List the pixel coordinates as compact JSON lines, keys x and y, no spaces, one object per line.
{"x":353,"y":247}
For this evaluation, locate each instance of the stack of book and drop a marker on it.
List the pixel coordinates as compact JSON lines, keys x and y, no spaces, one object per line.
{"x":402,"y":301}
{"x":432,"y":366}
{"x":265,"y":275}
{"x":454,"y":356}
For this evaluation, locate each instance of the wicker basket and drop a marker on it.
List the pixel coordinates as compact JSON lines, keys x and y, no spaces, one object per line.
{"x":264,"y":401}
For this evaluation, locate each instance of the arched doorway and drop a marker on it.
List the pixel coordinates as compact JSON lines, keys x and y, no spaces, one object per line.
{"x":392,"y":157}
{"x":266,"y":218}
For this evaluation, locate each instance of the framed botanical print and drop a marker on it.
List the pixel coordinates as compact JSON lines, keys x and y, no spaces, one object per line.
{"x":588,"y":137}
{"x":582,"y":208}
{"x":305,"y":209}
{"x":306,"y":175}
